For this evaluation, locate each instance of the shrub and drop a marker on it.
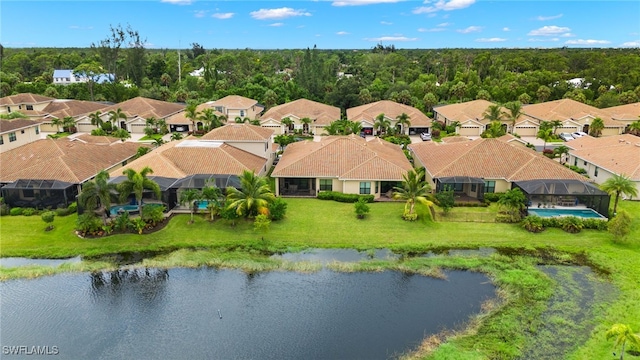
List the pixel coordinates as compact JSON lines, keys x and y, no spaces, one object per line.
{"x":409,"y":217}
{"x":48,"y":217}
{"x":88,"y":224}
{"x":445,"y":200}
{"x":577,"y":169}
{"x":98,"y":132}
{"x":620,"y":226}
{"x":122,"y":221}
{"x":507,"y":217}
{"x":152,"y":214}
{"x":594,"y":224}
{"x":137,"y":225}
{"x":4,"y":210}
{"x":571,"y":224}
{"x":278,"y":209}
{"x":15,"y":211}
{"x":549,"y":153}
{"x":28,"y":211}
{"x":533,"y":224}
{"x":492,"y":197}
{"x":435,"y":133}
{"x":551,"y":222}
{"x":342,"y":197}
{"x":361,"y":208}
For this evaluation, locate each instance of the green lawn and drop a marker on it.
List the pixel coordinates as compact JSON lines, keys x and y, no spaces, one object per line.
{"x":152,"y":137}
{"x":316,"y":223}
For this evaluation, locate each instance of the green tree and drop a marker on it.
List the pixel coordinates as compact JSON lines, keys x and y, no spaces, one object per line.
{"x":403,"y":120}
{"x":288,"y":124}
{"x":95,"y":119}
{"x":495,"y":130}
{"x":493,"y":113}
{"x":176,"y":136}
{"x":253,"y":197}
{"x":261,"y":224}
{"x":381,"y":124}
{"x":209,"y":118}
{"x":446,"y":199}
{"x":512,"y":203}
{"x":305,"y":124}
{"x":69,"y":123}
{"x":191,"y":113}
{"x":634,"y":128}
{"x":361,"y":208}
{"x":514,"y":112}
{"x":620,"y":225}
{"x":414,"y":189}
{"x":136,"y":183}
{"x":92,"y":72}
{"x":96,"y":195}
{"x":622,"y":334}
{"x":115,"y":116}
{"x":190,"y":197}
{"x":596,"y":127}
{"x":546,"y":135}
{"x":555,"y":124}
{"x":121,"y":134}
{"x":429,"y":101}
{"x":48,"y":217}
{"x":619,"y":184}
{"x":57,"y":122}
{"x":213,"y":195}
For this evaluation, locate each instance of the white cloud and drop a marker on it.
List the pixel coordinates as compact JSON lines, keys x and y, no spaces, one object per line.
{"x":506,"y":29}
{"x":431,"y":30}
{"x":281,"y":13}
{"x":200,"y":13}
{"x":631,"y":43}
{"x":549,"y":31}
{"x":491,"y":40}
{"x":443,"y":5}
{"x":177,"y":2}
{"x":587,"y":42}
{"x":276,"y":24}
{"x":362,"y":2}
{"x":443,"y":24}
{"x":222,"y":16}
{"x":470,"y":29}
{"x":386,"y":23}
{"x":544,"y":40}
{"x":391,"y":38}
{"x":545,"y":18}
{"x":342,"y":33}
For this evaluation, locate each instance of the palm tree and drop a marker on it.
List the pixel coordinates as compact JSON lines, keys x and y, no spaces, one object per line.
{"x":136,"y":183}
{"x":619,"y":184}
{"x":95,"y":119}
{"x":176,"y":136}
{"x":191,"y":113}
{"x":115,"y":116}
{"x":381,"y":124}
{"x":622,"y":334}
{"x":96,"y":194}
{"x":69,"y":123}
{"x":288,"y":123}
{"x":546,"y":135}
{"x":333,"y":128}
{"x":238,"y":120}
{"x":222,"y":118}
{"x":152,"y":123}
{"x":352,"y":127}
{"x":209,"y":118}
{"x":189,"y":197}
{"x":555,"y":124}
{"x":402,"y":120}
{"x":494,"y":130}
{"x":213,"y":195}
{"x":493,"y":113}
{"x":57,"y":122}
{"x":305,"y":124}
{"x":414,"y":189}
{"x":254,"y":196}
{"x":515,"y":111}
{"x":596,"y":127}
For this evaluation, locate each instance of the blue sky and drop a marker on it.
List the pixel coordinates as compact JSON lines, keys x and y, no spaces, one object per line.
{"x":328,"y":24}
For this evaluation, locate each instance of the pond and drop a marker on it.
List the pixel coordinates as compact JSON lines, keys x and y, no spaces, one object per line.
{"x":223,"y":314}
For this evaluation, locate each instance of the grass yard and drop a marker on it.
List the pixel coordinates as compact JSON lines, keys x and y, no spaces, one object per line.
{"x":324,"y":224}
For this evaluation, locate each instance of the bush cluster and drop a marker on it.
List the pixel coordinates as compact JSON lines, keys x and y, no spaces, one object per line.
{"x":277,"y":209}
{"x":470,"y":204}
{"x":492,"y":197}
{"x":570,"y":224}
{"x":577,"y":169}
{"x":342,"y":197}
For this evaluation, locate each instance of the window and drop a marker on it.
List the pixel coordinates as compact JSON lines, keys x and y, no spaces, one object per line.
{"x":1,"y":139}
{"x":457,"y":187}
{"x":595,"y":173}
{"x":37,"y":130}
{"x":27,"y":193}
{"x":473,"y":187}
{"x":365,"y":188}
{"x":29,"y":107}
{"x":584,"y":163}
{"x":489,"y":186}
{"x":22,"y":131}
{"x":326,"y":185}
{"x":8,"y":109}
{"x":377,"y":187}
{"x":242,"y":113}
{"x":575,"y":162}
{"x":12,"y":136}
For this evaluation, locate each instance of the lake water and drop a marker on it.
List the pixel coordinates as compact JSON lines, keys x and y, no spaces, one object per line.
{"x":226,"y":314}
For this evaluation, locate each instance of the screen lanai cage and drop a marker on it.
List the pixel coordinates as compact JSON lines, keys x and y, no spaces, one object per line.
{"x":568,"y":193}
{"x":40,"y":194}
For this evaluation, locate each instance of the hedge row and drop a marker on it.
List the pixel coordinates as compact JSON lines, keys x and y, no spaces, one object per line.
{"x":342,"y":197}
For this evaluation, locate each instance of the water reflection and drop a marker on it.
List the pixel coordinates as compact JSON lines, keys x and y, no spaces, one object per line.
{"x":326,"y":256}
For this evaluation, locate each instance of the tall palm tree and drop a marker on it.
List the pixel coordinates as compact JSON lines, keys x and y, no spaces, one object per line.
{"x":381,"y":124}
{"x":136,"y":183}
{"x":191,"y":113}
{"x":352,"y":127}
{"x":95,"y":119}
{"x":414,"y":189}
{"x":494,"y":130}
{"x":70,"y":123}
{"x":493,"y":113}
{"x":96,"y":195}
{"x":555,"y":124}
{"x":223,"y":118}
{"x":152,"y":123}
{"x":189,"y":197}
{"x":596,"y":127}
{"x":254,"y":196}
{"x":288,"y":123}
{"x":402,"y":120}
{"x":622,"y":334}
{"x":619,"y":184}
{"x":546,"y":135}
{"x":305,"y":124}
{"x":515,"y":111}
{"x":115,"y":116}
{"x":333,"y":128}
{"x":214,"y":197}
{"x":57,"y":122}
{"x":209,"y":118}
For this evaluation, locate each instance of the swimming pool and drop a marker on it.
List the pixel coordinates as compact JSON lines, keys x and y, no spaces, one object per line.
{"x":131,"y":209}
{"x":583,"y":213}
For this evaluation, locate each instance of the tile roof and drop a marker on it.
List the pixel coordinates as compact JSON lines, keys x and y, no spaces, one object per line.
{"x":455,"y":139}
{"x":61,"y":159}
{"x":323,"y":114}
{"x":628,"y":112}
{"x":174,"y":160}
{"x":489,"y":159}
{"x":391,"y":109}
{"x":235,"y":102}
{"x":90,"y":139}
{"x":470,"y":110}
{"x":619,"y":154}
{"x":564,"y":109}
{"x":15,"y":124}
{"x":24,"y":98}
{"x":63,"y":108}
{"x":344,"y":157}
{"x":181,"y":119}
{"x":146,"y":108}
{"x":238,"y":132}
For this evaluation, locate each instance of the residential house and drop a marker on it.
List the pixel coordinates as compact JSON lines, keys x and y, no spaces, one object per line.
{"x":574,"y":115}
{"x":137,"y":111}
{"x":607,"y":156}
{"x":234,"y":106}
{"x":24,"y":103}
{"x":50,"y":173}
{"x":320,"y":115}
{"x":625,"y":114}
{"x":61,"y":108}
{"x":18,"y":132}
{"x":348,"y":164}
{"x":67,"y":77}
{"x":251,"y":138}
{"x":367,"y":114}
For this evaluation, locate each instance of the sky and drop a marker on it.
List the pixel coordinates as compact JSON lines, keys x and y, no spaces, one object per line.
{"x":327,"y":24}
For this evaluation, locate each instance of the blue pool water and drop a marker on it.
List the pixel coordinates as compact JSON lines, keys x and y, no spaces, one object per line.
{"x":583,"y":213}
{"x":131,"y":209}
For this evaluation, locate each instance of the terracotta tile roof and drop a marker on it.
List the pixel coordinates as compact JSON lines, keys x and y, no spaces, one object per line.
{"x":322,"y":114}
{"x":24,"y":98}
{"x":455,"y":139}
{"x":619,"y":154}
{"x":489,"y":159}
{"x":235,"y":132}
{"x":343,"y":157}
{"x":177,"y":160}
{"x":90,"y":139}
{"x":391,"y":109}
{"x":61,"y":159}
{"x":181,"y":119}
{"x":470,"y":110}
{"x":234,"y":102}
{"x":63,"y":108}
{"x":564,"y":109}
{"x":15,"y":124}
{"x":628,"y":112}
{"x":146,"y":108}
